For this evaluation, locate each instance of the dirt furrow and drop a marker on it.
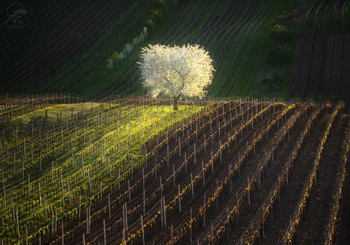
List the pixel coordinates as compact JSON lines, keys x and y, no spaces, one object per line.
{"x":318,"y":208}
{"x":290,"y":195}
{"x":269,"y":179}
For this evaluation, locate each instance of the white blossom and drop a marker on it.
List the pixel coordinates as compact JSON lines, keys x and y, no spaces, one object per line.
{"x":176,"y":71}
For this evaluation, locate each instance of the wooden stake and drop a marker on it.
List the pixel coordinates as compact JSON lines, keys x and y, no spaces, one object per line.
{"x":129,"y":191}
{"x":88,"y":172}
{"x":118,"y":178}
{"x":248,"y":192}
{"x":194,"y":153}
{"x":79,"y":207}
{"x":3,"y":188}
{"x":203,"y":175}
{"x":171,"y":233}
{"x":13,"y":211}
{"x":179,"y":197}
{"x":188,"y":137}
{"x":220,"y":151}
{"x":192,"y":189}
{"x":69,"y":197}
{"x":161,"y":213}
{"x":17,"y":224}
{"x":26,"y":235}
{"x":101,"y":189}
{"x":164,"y":210}
{"x":104,"y":233}
{"x":191,"y":225}
{"x":39,"y":194}
{"x":174,"y":175}
{"x":52,"y":222}
{"x":142,"y":230}
{"x":62,"y":188}
{"x":262,"y":224}
{"x":132,"y":167}
{"x":160,"y":186}
{"x":126,"y":217}
{"x":144,"y":202}
{"x":45,"y":207}
{"x":28,"y":184}
{"x":217,"y":198}
{"x":204,"y":207}
{"x":52,"y":170}
{"x":143,"y":178}
{"x":62,"y":240}
{"x":109,"y":167}
{"x":109,"y":205}
{"x":87,"y":220}
{"x":167,"y":155}
{"x":55,"y":219}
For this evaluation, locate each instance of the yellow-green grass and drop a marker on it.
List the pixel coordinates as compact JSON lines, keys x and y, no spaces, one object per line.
{"x":64,"y":110}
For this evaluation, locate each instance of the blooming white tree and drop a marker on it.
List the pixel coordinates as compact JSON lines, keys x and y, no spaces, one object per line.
{"x":176,"y":71}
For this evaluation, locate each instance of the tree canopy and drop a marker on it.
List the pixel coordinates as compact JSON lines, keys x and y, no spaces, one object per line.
{"x":176,"y":71}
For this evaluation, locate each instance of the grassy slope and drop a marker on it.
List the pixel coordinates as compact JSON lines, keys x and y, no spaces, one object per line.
{"x":64,"y":110}
{"x":328,"y":28}
{"x":89,"y":74}
{"x":242,"y":76}
{"x":249,"y":79}
{"x":93,"y":76}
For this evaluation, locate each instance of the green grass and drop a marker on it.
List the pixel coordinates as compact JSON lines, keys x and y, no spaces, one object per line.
{"x":250,"y":81}
{"x":242,"y":76}
{"x":93,"y":76}
{"x":236,"y":75}
{"x":64,"y":110}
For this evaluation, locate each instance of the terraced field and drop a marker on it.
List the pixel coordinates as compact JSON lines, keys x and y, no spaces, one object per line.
{"x":120,"y":169}
{"x":241,"y":172}
{"x":132,"y":170}
{"x":55,"y":154}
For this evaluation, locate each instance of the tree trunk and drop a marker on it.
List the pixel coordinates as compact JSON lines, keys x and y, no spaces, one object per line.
{"x":176,"y":99}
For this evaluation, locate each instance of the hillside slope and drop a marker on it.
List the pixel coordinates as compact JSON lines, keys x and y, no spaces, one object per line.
{"x":322,"y":58}
{"x":81,"y":41}
{"x":235,"y":33}
{"x":72,"y":56}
